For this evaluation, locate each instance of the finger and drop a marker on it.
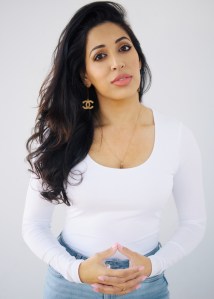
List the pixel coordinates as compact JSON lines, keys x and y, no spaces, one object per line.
{"x":119,"y":280}
{"x":108,"y":266}
{"x":126,"y":251}
{"x":107,"y":253}
{"x":113,"y":290}
{"x":124,"y":273}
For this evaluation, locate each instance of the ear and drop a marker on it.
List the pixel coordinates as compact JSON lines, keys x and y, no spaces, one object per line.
{"x":85,"y":79}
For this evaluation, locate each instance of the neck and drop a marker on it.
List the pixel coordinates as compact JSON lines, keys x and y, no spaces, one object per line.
{"x":119,"y":114}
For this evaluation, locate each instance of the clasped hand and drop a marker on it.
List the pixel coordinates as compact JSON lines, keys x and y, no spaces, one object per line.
{"x":94,"y":271}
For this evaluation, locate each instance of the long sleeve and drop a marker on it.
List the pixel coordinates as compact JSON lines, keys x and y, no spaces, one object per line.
{"x":189,"y":199}
{"x":36,"y":231}
{"x":175,"y":161}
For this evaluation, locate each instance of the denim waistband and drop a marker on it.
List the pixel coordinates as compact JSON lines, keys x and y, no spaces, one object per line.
{"x":114,"y":263}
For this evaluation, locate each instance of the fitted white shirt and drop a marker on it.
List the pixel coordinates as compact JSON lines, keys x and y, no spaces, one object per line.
{"x":125,"y":205}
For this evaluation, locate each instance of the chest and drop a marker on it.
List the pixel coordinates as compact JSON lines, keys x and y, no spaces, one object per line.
{"x":127,"y":148}
{"x":144,"y":188}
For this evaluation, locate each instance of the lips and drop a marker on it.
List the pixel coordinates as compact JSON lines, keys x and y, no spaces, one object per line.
{"x":121,"y":78}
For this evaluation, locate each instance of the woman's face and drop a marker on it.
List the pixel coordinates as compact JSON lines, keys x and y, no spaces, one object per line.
{"x":109,"y":54}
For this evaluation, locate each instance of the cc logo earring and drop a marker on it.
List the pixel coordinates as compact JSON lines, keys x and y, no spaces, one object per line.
{"x":87,"y":104}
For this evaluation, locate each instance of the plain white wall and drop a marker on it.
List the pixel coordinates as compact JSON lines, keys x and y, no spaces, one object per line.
{"x":177,"y":39}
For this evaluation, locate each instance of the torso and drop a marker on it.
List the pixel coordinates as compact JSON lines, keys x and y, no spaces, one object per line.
{"x":113,"y":147}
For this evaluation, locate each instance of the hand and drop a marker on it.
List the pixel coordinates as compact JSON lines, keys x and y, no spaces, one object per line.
{"x":136,"y":259}
{"x":109,"y":281}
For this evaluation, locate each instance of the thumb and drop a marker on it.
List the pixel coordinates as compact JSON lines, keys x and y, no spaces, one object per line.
{"x":107,"y":253}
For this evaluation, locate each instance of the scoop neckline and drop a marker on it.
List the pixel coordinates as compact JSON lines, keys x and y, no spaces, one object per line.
{"x":147,"y":161}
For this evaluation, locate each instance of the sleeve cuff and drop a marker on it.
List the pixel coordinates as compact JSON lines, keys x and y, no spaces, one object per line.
{"x":156,"y":265}
{"x":73,"y":271}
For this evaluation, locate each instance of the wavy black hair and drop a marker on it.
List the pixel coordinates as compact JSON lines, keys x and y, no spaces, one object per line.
{"x":63,"y":131}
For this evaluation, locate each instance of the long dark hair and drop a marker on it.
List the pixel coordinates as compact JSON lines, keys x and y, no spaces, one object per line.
{"x":63,"y":131}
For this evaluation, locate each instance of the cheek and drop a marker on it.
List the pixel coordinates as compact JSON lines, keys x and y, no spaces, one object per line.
{"x":136,"y":67}
{"x":96,"y":74}
{"x":135,"y":63}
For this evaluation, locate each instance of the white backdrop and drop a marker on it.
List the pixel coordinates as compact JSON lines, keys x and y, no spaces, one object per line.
{"x":177,"y":38}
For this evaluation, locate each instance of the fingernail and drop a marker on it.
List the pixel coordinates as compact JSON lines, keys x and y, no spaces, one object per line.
{"x":137,"y":287}
{"x":101,"y":278}
{"x":120,"y":246}
{"x":144,"y":278}
{"x":94,"y":287}
{"x":114,"y":246}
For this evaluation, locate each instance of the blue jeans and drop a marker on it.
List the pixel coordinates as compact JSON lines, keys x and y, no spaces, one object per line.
{"x":57,"y":287}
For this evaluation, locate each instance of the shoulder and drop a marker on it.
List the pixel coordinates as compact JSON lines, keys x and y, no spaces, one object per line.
{"x":166,"y":120}
{"x":168,"y":127}
{"x":171,"y":124}
{"x":178,"y":133}
{"x":174,"y":131}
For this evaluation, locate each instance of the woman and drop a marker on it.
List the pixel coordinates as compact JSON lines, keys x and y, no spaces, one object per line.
{"x":114,"y":162}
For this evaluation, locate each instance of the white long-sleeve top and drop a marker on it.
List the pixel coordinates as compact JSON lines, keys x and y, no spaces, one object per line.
{"x":125,"y":205}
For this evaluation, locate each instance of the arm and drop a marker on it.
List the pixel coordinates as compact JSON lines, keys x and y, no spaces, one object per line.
{"x":36,"y":231}
{"x":189,"y":199}
{"x":37,"y":234}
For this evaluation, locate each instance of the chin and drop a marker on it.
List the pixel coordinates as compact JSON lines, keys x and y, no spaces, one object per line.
{"x":122,"y":94}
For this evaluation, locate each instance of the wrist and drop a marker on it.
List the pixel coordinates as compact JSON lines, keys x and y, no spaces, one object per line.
{"x":81,"y":271}
{"x":148,"y":267}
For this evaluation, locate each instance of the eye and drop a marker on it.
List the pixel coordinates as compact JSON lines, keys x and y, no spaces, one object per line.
{"x":99,"y":56}
{"x":125,"y":48}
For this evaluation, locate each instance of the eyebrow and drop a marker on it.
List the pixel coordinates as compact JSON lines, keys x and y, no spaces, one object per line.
{"x":103,"y":46}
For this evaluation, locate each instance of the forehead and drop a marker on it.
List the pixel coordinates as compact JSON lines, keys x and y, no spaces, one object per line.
{"x":106,"y":33}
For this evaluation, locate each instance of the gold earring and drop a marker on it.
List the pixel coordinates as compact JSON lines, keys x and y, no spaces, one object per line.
{"x":87,"y":104}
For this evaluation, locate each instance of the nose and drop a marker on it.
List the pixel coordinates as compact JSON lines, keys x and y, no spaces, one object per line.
{"x":117,"y":65}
